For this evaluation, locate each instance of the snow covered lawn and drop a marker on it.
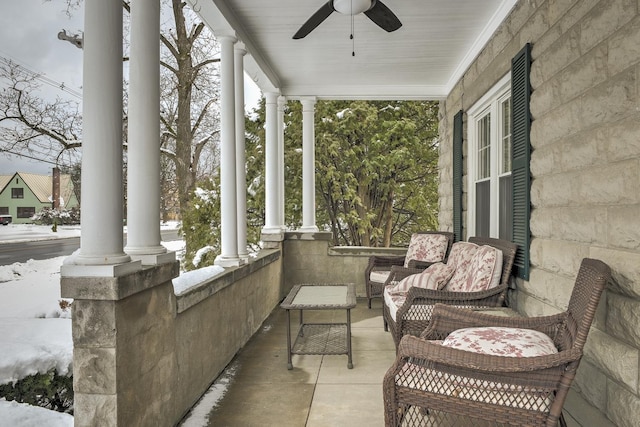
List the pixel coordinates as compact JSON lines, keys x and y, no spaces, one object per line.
{"x":35,"y":332}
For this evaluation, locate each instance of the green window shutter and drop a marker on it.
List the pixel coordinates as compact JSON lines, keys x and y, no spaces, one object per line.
{"x":457,"y":176}
{"x":521,"y":122}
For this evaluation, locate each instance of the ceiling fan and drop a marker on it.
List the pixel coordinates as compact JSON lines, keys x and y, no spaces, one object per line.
{"x":375,"y":10}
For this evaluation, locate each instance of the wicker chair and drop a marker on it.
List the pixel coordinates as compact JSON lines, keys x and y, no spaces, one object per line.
{"x":432,"y":384}
{"x":414,"y":315}
{"x":383,"y":264}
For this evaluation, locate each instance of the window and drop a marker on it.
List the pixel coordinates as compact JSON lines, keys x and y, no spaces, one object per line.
{"x":17,"y":193}
{"x":500,"y":200}
{"x":490,"y":163}
{"x":26,"y":212}
{"x":4,"y":210}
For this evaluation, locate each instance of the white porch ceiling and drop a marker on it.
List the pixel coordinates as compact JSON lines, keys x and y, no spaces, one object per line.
{"x":422,"y":60}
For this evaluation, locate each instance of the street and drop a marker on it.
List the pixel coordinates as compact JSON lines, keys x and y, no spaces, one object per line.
{"x":52,"y":248}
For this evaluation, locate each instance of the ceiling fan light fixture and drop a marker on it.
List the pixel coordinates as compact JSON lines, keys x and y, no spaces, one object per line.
{"x":352,"y":7}
{"x":375,"y":10}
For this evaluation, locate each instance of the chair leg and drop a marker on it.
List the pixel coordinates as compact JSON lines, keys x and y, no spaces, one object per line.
{"x":562,"y":421}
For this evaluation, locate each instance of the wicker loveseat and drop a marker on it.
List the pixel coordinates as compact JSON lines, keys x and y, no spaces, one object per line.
{"x":483,"y":376}
{"x":379,"y":267}
{"x":414,"y":315}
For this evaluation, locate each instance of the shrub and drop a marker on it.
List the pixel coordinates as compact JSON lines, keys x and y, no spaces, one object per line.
{"x":50,"y":390}
{"x":201,"y":226}
{"x":55,"y":217}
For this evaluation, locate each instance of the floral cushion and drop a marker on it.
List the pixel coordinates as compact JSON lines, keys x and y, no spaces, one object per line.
{"x":461,"y":254}
{"x":426,"y":247}
{"x":460,"y":258}
{"x":499,"y":341}
{"x":433,"y":277}
{"x":480,"y":273}
{"x":509,"y":342}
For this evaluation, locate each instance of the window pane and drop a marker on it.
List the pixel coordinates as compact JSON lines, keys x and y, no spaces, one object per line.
{"x":504,"y":211}
{"x":17,"y":193}
{"x":484,"y":147}
{"x":506,"y":136}
{"x":26,"y":212}
{"x":483,"y":209}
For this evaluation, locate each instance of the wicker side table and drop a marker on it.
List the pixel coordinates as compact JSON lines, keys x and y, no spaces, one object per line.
{"x":320,"y":338}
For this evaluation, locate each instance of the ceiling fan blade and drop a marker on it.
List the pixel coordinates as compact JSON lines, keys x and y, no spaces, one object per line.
{"x":315,"y":20}
{"x":383,"y":17}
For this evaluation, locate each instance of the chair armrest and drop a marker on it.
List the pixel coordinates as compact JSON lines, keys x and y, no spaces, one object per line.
{"x":446,"y":319}
{"x":422,"y":351}
{"x":385,"y":261}
{"x":399,"y":272}
{"x":414,"y":263}
{"x":431,"y":296}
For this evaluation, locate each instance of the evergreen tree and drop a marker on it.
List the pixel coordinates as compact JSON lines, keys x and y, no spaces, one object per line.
{"x":376,"y":169}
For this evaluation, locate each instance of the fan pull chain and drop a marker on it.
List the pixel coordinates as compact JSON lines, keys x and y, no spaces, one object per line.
{"x":353,"y":42}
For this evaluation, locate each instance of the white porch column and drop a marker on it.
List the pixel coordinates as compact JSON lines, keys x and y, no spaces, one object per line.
{"x":241,"y":172}
{"x":143,"y":180}
{"x":282,"y":102}
{"x":308,"y":165}
{"x":228,"y":206}
{"x":101,"y":243}
{"x":271,"y":225}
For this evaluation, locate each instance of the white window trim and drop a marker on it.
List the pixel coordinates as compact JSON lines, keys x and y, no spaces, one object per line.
{"x":489,"y":102}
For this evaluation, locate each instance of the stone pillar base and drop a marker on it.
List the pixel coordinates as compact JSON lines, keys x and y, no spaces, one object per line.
{"x":223,"y":261}
{"x":155,"y":259}
{"x":272,"y":235}
{"x":110,"y":270}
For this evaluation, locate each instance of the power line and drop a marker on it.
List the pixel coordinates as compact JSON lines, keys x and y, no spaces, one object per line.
{"x":59,"y":163}
{"x":28,"y":157}
{"x":40,"y":76}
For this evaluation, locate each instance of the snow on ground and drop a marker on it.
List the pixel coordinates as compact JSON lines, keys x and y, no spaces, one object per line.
{"x":35,"y":335}
{"x":30,"y":232}
{"x":22,"y":415}
{"x":35,"y":327}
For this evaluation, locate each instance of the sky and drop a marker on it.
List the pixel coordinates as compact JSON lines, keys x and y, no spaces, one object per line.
{"x":29,"y":36}
{"x":35,"y":333}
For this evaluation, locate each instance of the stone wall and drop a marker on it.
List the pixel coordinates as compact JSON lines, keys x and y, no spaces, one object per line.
{"x":209,"y":333}
{"x":310,"y":258}
{"x":144,"y":355}
{"x":585,"y":167}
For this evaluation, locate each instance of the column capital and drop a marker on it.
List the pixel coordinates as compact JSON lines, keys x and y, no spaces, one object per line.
{"x":226,"y":36}
{"x":271,"y":97}
{"x":282,"y":101}
{"x":240,"y":48}
{"x":308,"y":102}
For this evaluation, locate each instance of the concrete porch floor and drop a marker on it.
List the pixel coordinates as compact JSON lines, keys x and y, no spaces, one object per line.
{"x":256,"y":389}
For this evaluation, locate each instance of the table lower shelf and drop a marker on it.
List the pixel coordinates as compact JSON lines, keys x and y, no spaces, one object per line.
{"x":321,"y":338}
